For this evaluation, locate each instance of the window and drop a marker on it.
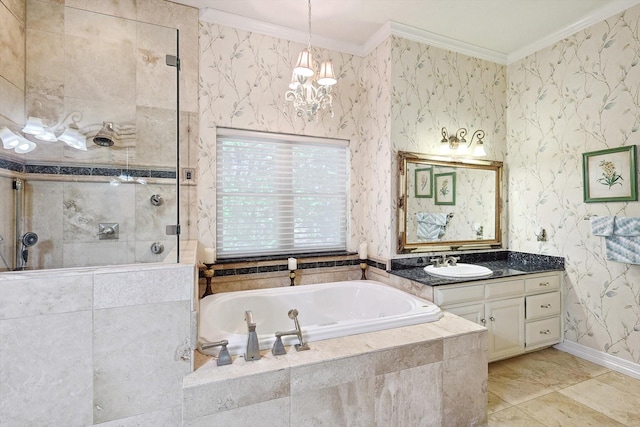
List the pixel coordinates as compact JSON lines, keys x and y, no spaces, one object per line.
{"x":279,"y":194}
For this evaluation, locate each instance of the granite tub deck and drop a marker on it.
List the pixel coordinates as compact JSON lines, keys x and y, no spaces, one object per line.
{"x":502,"y":263}
{"x":431,"y":374}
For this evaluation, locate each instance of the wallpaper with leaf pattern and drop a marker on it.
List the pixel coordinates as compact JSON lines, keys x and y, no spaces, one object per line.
{"x":580,"y":95}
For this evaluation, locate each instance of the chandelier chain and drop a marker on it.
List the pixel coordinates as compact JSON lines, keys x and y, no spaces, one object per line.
{"x":309,"y":2}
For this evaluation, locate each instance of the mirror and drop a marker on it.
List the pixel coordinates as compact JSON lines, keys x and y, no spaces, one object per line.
{"x":448,"y":203}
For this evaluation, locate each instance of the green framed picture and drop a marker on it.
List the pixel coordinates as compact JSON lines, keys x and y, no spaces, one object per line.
{"x":424,"y":182}
{"x":445,"y":188}
{"x":610,"y":175}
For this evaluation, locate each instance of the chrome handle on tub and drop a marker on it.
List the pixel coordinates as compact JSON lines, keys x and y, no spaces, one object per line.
{"x":224,"y":358}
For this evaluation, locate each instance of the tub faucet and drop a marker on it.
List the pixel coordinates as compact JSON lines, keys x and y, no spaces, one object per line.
{"x":223,"y":357}
{"x":278,"y":346}
{"x":253,"y":347}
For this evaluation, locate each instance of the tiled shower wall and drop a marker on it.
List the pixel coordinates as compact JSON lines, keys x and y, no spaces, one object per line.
{"x":105,"y":60}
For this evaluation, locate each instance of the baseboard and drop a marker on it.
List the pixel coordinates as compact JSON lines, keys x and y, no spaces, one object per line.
{"x":601,"y":358}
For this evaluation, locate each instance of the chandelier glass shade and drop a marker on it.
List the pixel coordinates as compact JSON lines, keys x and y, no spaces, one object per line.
{"x":310,"y":87}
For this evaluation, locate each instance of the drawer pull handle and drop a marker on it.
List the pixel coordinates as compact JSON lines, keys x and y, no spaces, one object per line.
{"x":544,"y":283}
{"x":483,"y":321}
{"x":493,"y":319}
{"x":545,"y":306}
{"x":545,"y":332}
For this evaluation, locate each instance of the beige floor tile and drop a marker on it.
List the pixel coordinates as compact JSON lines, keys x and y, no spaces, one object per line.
{"x":512,"y":417}
{"x":557,"y":410}
{"x":555,"y":369}
{"x":621,"y":405}
{"x":513,"y":385}
{"x":622,"y":382}
{"x":496,"y":404}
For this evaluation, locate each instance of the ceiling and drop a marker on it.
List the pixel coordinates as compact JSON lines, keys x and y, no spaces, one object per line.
{"x":502,"y":31}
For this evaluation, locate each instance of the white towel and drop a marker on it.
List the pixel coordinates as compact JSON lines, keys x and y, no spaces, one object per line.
{"x":431,"y":225}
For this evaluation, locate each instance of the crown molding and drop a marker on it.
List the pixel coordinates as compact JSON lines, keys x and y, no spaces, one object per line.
{"x":255,"y":26}
{"x":395,"y":29}
{"x":612,"y":8}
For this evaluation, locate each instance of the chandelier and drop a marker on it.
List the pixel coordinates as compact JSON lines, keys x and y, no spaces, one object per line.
{"x":310,"y":90}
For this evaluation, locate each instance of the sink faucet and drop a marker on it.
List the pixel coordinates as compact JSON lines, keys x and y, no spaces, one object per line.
{"x":278,"y":347}
{"x":253,"y":347}
{"x":445,"y":261}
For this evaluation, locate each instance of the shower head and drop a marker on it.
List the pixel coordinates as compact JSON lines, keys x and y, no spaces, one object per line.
{"x":106,"y":136}
{"x":29,"y":239}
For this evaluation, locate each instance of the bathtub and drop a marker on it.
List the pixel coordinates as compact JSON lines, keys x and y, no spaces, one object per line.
{"x":327,"y":310}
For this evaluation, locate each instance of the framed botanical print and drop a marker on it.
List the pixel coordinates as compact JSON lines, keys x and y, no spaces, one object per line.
{"x":424,"y":182}
{"x":445,"y":188}
{"x":610,"y":175}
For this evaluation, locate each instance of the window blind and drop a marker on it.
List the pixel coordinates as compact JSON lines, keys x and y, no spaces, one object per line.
{"x":279,"y":194}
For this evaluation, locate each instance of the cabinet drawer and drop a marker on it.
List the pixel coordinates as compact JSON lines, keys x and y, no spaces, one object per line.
{"x":457,"y":295}
{"x":544,"y":283}
{"x":504,"y":289}
{"x":542,"y":305}
{"x":542,"y":332}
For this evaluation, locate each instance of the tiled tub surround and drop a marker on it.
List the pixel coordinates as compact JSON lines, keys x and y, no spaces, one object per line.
{"x":87,"y":346}
{"x":432,"y":374}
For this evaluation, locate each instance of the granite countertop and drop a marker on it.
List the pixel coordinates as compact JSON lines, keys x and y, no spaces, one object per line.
{"x":502,"y":263}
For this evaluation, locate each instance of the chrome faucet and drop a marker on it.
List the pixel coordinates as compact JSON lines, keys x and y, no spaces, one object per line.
{"x":253,"y":347}
{"x":223,"y":357}
{"x":445,"y":261}
{"x":278,"y":346}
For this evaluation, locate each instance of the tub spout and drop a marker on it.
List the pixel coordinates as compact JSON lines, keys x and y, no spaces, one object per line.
{"x":253,"y":347}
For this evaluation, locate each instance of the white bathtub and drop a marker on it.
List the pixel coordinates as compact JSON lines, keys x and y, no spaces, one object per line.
{"x":327,"y":310}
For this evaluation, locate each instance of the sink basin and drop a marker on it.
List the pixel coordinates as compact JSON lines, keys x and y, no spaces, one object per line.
{"x":459,"y":271}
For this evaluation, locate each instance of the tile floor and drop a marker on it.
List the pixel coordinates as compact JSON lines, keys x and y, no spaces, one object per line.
{"x":553,"y":388}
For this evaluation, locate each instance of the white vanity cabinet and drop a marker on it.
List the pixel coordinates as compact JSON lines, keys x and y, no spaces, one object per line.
{"x":521,"y":313}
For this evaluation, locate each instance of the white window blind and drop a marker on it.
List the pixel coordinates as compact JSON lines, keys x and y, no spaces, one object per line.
{"x":279,"y":194}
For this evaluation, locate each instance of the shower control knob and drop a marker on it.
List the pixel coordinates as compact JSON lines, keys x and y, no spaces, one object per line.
{"x":157,"y":248}
{"x":156,"y":200}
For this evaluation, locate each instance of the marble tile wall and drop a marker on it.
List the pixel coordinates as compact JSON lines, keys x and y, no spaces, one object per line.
{"x":416,"y":375}
{"x":12,"y":72}
{"x":89,"y":57}
{"x":90,"y":346}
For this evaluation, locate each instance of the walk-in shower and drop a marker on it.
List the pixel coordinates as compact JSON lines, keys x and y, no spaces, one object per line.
{"x":55,"y":199}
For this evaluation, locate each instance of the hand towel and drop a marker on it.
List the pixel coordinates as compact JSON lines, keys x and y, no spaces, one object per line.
{"x":431,"y":225}
{"x":602,"y":225}
{"x":623,"y":242}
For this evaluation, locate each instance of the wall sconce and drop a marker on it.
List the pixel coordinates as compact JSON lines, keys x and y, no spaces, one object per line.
{"x":458,"y":143}
{"x":12,"y":141}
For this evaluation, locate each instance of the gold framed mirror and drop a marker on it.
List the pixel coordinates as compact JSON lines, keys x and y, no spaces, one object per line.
{"x":446,"y":204}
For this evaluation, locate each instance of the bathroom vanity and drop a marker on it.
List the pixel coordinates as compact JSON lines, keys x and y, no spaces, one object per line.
{"x":520,"y":304}
{"x":521,"y":314}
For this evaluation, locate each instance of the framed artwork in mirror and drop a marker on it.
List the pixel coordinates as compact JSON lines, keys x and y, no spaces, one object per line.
{"x":445,"y":188}
{"x":610,"y":175}
{"x":424,"y":183}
